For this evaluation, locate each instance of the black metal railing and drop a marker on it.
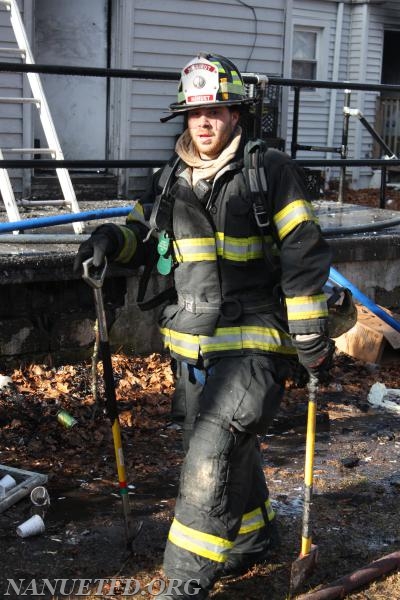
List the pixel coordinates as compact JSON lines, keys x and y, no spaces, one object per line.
{"x":249,"y":78}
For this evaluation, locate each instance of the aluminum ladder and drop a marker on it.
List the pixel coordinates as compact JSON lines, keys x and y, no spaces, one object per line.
{"x":38,"y":99}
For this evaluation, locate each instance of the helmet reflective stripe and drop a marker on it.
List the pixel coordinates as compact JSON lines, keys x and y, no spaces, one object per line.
{"x":203,"y":544}
{"x":292,"y":215}
{"x":307,"y":307}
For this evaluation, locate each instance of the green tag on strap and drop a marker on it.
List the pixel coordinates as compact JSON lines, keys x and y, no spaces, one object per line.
{"x":164,"y":263}
{"x":163,"y":244}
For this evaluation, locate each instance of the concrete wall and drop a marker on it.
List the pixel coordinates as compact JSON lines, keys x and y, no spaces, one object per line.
{"x":53,"y":321}
{"x":47,"y":313}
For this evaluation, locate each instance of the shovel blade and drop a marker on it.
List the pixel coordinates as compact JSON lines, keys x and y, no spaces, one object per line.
{"x":302,"y":568}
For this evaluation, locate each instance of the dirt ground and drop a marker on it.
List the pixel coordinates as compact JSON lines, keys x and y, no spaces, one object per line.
{"x":355,"y":513}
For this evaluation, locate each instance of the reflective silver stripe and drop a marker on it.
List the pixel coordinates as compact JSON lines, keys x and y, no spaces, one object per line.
{"x":292,"y":215}
{"x":203,"y":544}
{"x":183,"y":344}
{"x":307,"y":307}
{"x":254,"y":520}
{"x":195,"y":249}
{"x":240,"y":249}
{"x":247,"y":337}
{"x":227,"y":247}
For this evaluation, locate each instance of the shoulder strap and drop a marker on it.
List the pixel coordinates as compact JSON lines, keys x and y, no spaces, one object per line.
{"x":160,"y":219}
{"x":256,"y":180}
{"x":161,"y":214}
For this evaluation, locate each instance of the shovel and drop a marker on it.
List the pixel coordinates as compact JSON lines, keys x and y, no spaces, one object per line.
{"x":132,"y":529}
{"x":303,"y":566}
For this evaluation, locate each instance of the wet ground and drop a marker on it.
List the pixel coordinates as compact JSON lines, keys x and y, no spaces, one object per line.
{"x":355,"y":515}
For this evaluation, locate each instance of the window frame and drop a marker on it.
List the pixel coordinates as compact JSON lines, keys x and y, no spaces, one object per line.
{"x":321,"y":30}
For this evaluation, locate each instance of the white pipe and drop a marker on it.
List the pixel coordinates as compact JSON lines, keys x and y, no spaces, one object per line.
{"x":358,"y":138}
{"x":335,"y":77}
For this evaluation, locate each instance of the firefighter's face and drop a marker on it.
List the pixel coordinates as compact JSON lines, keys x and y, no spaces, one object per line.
{"x":211,"y":129}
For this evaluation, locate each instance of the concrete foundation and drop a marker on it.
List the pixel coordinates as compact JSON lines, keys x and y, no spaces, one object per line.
{"x":47,"y":312}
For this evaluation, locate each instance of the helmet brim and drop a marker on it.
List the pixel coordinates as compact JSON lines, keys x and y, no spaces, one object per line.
{"x":181,"y":108}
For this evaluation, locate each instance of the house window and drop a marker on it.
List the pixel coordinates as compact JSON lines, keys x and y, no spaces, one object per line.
{"x":305,"y":53}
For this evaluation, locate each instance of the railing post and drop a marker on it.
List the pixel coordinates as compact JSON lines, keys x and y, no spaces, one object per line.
{"x":344,"y":147}
{"x":295,"y":125}
{"x":382,"y":196}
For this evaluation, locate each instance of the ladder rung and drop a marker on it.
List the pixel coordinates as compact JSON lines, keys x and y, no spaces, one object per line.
{"x":10,"y":100}
{"x":12,"y":51}
{"x":30,"y":150}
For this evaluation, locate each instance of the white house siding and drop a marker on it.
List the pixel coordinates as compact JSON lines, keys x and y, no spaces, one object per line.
{"x":166,"y":35}
{"x":11,"y":115}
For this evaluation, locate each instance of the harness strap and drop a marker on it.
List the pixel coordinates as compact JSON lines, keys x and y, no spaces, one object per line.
{"x":256,"y":180}
{"x":228,"y":305}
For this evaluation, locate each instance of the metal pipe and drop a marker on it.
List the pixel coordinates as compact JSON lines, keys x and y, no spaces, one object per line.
{"x":333,"y":95}
{"x":344,"y":147}
{"x":133,"y":164}
{"x":88,"y":215}
{"x":174,"y":76}
{"x":43,"y":238}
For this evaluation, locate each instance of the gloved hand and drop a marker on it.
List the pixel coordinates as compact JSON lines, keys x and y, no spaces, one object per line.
{"x":315,"y":353}
{"x":103,"y":242}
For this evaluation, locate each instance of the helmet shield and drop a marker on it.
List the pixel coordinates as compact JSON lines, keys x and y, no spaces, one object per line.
{"x":209,"y":80}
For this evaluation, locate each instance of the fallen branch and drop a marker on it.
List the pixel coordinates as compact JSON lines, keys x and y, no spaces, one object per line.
{"x":343,"y":586}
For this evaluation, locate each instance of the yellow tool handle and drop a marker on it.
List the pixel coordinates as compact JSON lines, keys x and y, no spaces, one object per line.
{"x":306,"y":540}
{"x":119,"y":456}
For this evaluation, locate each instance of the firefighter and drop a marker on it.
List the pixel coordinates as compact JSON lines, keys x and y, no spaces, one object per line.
{"x":246,"y":304}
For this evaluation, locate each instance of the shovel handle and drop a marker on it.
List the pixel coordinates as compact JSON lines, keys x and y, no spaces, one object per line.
{"x":306,"y":540}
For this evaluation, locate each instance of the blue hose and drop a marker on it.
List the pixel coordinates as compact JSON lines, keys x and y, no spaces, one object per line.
{"x":88,"y":215}
{"x":338,"y":278}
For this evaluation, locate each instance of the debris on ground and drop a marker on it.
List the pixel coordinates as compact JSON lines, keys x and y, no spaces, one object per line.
{"x":355,"y":512}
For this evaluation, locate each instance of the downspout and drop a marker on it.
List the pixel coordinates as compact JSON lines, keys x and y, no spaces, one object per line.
{"x":335,"y":77}
{"x":121,"y":57}
{"x":361,"y":96}
{"x":287,"y":67}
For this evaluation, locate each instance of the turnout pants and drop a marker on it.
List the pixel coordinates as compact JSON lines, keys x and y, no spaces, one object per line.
{"x":222,"y":505}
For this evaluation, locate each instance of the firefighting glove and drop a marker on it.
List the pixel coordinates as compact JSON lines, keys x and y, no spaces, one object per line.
{"x":104,"y":242}
{"x":315,"y":353}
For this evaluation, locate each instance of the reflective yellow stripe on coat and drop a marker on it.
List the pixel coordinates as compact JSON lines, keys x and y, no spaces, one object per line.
{"x":228,"y":247}
{"x":254,"y":520}
{"x":307,"y":307}
{"x":245,"y":337}
{"x":203,"y":544}
{"x":292,"y":215}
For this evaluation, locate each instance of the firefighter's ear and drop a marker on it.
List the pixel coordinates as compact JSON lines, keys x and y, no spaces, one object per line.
{"x":235,"y":116}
